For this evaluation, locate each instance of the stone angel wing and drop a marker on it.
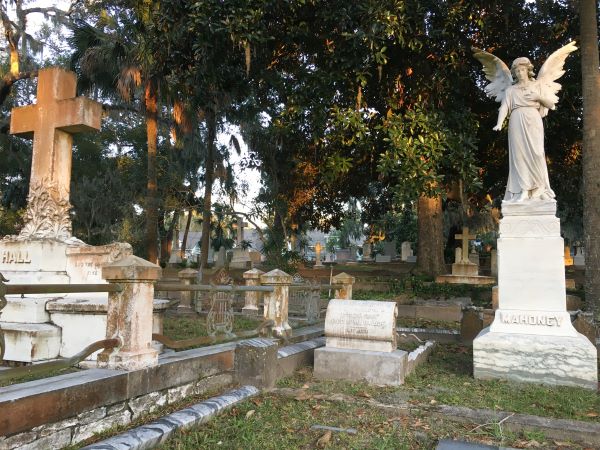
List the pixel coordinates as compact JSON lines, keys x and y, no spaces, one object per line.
{"x":496,"y":72}
{"x":551,"y":71}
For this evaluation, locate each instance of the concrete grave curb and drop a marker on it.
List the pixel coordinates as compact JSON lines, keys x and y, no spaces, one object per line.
{"x":157,"y":432}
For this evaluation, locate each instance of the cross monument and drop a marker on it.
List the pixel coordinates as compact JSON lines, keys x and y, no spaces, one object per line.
{"x":52,"y":121}
{"x":240,"y":224}
{"x":465,"y":237}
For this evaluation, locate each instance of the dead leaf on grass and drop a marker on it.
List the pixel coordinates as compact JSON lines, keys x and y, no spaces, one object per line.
{"x":305,"y":386}
{"x":591,"y":414}
{"x":250,"y":413}
{"x":257,"y":401}
{"x":324,"y":440}
{"x":365,"y":394}
{"x":561,"y":444}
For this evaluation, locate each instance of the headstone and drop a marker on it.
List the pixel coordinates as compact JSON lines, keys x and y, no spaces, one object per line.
{"x":406,"y":251}
{"x":389,"y":249}
{"x":353,"y":255}
{"x":361,"y":343}
{"x":175,"y":257}
{"x":255,"y":257}
{"x":457,"y":255}
{"x":45,"y":251}
{"x":367,"y":248}
{"x":383,"y":258}
{"x":474,"y":257}
{"x":361,"y":325}
{"x":532,"y":338}
{"x":221,"y":256}
{"x":579,"y":258}
{"x":494,"y":262}
{"x":342,"y":255}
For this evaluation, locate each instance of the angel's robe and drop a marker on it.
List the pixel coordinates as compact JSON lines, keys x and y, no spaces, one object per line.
{"x":527,"y":159}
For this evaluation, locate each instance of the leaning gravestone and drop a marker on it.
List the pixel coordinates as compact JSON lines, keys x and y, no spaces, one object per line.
{"x":361,"y":343}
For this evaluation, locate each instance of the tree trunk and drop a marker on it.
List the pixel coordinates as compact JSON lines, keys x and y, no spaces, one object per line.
{"x":591,"y":153}
{"x":152,"y":191}
{"x":211,"y":126}
{"x":430,"y":224}
{"x":167,"y":245}
{"x":188,"y":223}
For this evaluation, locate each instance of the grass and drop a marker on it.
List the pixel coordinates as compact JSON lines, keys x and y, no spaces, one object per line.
{"x":408,"y":322}
{"x":274,"y":421}
{"x":447,"y":379}
{"x":179,"y":328}
{"x":38,"y":376}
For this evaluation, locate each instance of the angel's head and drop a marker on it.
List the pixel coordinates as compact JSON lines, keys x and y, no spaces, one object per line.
{"x":522,"y":62}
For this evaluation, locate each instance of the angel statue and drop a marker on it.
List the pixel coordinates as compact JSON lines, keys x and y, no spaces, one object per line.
{"x":525,"y":101}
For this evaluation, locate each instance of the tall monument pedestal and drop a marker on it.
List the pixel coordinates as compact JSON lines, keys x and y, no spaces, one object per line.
{"x":531,"y":338}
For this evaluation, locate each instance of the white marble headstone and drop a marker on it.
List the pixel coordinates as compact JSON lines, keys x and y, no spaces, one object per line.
{"x":361,"y":325}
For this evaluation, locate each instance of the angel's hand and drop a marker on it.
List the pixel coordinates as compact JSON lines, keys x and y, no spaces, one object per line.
{"x":532,"y":96}
{"x":497,"y":128}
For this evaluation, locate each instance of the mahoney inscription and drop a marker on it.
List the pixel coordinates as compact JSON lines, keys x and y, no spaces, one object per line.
{"x":544,"y":320}
{"x":15,"y":257}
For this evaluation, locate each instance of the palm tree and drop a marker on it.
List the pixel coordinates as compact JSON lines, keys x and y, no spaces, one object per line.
{"x":113,"y":62}
{"x":591,"y":152}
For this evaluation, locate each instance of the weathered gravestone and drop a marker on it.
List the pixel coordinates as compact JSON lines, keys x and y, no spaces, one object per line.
{"x":361,"y":343}
{"x":45,"y":250}
{"x":342,"y":255}
{"x":579,"y":258}
{"x":465,"y":271}
{"x":406,"y":251}
{"x":367,"y":248}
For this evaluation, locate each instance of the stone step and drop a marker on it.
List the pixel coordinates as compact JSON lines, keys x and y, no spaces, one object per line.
{"x":30,"y":342}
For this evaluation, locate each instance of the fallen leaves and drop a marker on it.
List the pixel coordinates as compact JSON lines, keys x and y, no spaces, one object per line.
{"x":324,"y":440}
{"x":250,"y":413}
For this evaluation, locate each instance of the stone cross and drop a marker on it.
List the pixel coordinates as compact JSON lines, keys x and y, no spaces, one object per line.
{"x":318,"y":262}
{"x":465,"y":237}
{"x":240,"y":229}
{"x":52,"y":121}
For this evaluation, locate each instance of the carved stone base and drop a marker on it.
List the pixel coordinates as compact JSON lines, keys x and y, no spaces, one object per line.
{"x":557,"y":360}
{"x":532,"y":338}
{"x":47,"y":261}
{"x":128,"y":360}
